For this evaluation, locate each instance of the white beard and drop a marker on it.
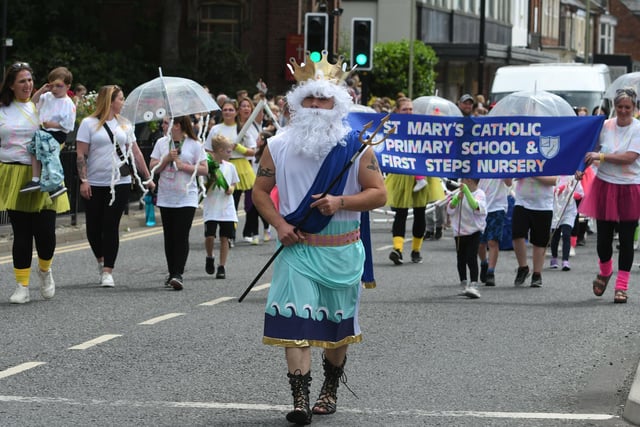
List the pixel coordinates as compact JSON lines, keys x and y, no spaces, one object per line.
{"x":314,"y":132}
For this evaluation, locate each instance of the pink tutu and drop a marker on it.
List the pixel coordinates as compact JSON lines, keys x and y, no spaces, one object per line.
{"x":611,"y":202}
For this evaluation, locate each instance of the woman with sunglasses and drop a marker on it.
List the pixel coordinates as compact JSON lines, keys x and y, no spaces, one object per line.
{"x":32,"y":215}
{"x":104,"y":143}
{"x":614,"y":198}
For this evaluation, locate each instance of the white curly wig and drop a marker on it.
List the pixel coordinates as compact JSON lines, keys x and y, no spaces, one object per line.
{"x":322,"y":89}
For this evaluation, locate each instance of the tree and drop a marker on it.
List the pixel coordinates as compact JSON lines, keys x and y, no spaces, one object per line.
{"x":391,"y":64}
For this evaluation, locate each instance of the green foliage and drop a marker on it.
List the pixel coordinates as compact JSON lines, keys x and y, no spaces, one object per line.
{"x":391,"y":68}
{"x":224,"y":68}
{"x":90,"y":66}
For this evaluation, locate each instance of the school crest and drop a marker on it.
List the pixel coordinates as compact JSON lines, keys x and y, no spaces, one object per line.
{"x":549,"y":146}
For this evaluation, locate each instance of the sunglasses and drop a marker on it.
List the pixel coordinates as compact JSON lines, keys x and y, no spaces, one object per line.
{"x":627,"y":91}
{"x":20,"y":66}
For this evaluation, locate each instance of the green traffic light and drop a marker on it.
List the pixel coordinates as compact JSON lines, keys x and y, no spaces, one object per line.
{"x":361,"y":59}
{"x":315,"y":56}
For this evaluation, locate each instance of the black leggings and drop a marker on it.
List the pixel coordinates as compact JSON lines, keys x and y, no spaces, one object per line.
{"x":563,"y":231}
{"x":604,"y":246}
{"x":251,"y":224}
{"x":103,"y":221}
{"x":28,"y":226}
{"x":399,"y":226}
{"x":467,"y":254}
{"x":176,"y":224}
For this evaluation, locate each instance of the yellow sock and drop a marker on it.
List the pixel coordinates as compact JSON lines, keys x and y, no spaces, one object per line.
{"x":44,"y":264}
{"x":398,"y":242}
{"x":416,"y":244}
{"x":22,"y":276}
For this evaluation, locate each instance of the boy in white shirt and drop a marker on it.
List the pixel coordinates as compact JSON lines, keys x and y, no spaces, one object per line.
{"x":57,"y":117}
{"x":497,"y":193}
{"x":468,"y":212}
{"x":218,"y":207}
{"x":532,"y":215}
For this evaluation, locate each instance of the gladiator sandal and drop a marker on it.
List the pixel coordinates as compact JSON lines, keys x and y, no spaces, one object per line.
{"x":326,"y":403}
{"x":301,"y":414}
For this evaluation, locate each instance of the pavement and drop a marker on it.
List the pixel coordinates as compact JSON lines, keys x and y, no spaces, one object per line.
{"x":70,"y":230}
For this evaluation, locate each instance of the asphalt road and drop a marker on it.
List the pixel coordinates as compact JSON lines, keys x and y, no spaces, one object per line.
{"x":142,"y":355}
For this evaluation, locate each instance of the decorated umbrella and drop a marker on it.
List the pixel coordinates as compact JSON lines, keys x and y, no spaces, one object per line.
{"x":167,"y":96}
{"x":631,"y":80}
{"x":435,"y":106}
{"x":532,"y":103}
{"x":171,"y":97}
{"x":359,"y":108}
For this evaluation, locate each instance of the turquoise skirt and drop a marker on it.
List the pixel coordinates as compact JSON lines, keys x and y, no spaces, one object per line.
{"x":315,"y":293}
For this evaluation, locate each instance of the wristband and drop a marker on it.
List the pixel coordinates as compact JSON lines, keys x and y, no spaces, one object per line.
{"x":240,"y":148}
{"x":601,"y":157}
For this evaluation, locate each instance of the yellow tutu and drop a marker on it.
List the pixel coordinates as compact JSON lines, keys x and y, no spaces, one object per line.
{"x":12,"y":178}
{"x":245,"y":173}
{"x":436,"y":190}
{"x":400,"y":192}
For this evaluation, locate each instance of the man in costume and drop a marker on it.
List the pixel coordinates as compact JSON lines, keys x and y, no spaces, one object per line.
{"x":316,"y":283}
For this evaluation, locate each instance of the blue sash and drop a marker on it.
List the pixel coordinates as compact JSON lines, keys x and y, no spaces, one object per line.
{"x":335,"y":162}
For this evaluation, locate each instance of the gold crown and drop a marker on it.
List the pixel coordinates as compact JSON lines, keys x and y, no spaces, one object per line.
{"x":321,"y":70}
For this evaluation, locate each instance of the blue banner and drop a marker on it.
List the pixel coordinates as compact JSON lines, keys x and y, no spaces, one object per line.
{"x":482,"y":147}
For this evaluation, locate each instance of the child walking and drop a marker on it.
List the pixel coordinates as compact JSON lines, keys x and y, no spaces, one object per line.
{"x":564,"y":217}
{"x":57,"y":117}
{"x":468,"y":213}
{"x":218,"y":207}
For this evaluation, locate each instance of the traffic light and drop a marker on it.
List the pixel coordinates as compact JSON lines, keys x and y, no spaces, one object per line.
{"x":316,"y":33}
{"x":362,"y":43}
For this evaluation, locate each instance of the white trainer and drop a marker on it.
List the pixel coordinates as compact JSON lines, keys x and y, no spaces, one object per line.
{"x":471,"y":291}
{"x":47,"y":285}
{"x":20,"y":295}
{"x":100,"y":267}
{"x":107,"y":280}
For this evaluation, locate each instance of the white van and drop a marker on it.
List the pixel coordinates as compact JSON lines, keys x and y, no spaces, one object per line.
{"x":581,"y":85}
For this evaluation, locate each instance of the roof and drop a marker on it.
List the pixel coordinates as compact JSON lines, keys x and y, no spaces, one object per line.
{"x":632,"y":5}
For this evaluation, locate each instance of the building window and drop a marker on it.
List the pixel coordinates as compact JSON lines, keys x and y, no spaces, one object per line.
{"x":607,"y":33}
{"x":220,"y":21}
{"x":550,"y":19}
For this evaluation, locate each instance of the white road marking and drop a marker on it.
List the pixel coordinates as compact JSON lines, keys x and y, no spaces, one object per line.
{"x":161,"y":318}
{"x":412,"y":413}
{"x":95,"y":341}
{"x":217,"y":301}
{"x":19,"y":368}
{"x":387,"y":247}
{"x":261,"y":287}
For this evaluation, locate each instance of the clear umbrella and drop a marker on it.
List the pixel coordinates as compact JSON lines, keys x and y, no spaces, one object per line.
{"x":167,"y":96}
{"x":435,"y":106}
{"x":631,"y":80}
{"x":529,"y":103}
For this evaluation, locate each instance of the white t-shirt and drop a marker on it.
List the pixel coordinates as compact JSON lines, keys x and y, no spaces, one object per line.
{"x":466,"y":221}
{"x":59,"y":110}
{"x":295,"y":177}
{"x":219,"y":206}
{"x":18,"y":124}
{"x":496,"y":193}
{"x":230,"y":132}
{"x":532,"y":194}
{"x":103,"y":160}
{"x":563,"y":201}
{"x":616,"y":139}
{"x":176,"y":188}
